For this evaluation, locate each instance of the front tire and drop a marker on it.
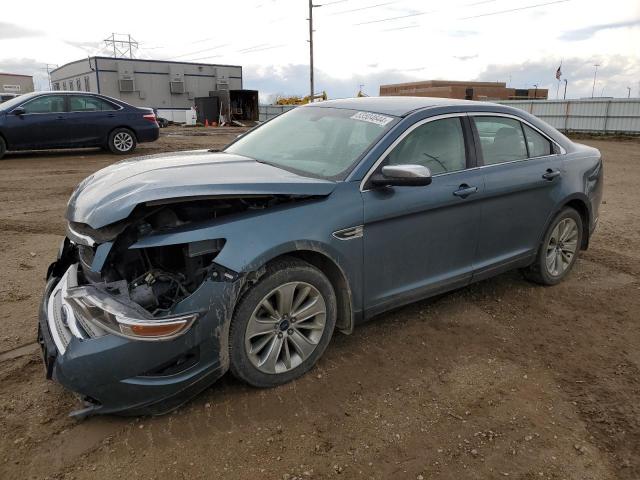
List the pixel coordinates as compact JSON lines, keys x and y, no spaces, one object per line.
{"x":282,"y":324}
{"x":559,"y":249}
{"x":122,"y":141}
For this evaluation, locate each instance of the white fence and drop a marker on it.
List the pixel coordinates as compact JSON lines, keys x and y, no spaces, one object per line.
{"x":187,"y":117}
{"x":594,"y":115}
{"x":267,"y":112}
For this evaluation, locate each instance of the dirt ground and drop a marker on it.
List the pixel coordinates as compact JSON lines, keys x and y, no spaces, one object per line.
{"x":503,"y":379}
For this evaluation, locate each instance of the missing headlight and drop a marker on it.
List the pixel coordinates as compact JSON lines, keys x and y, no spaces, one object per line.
{"x":159,"y":278}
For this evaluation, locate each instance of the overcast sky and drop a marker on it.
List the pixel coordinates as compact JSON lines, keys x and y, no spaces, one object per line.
{"x":368,"y":42}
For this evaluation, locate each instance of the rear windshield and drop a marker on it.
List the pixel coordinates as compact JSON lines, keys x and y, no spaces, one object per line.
{"x":314,"y":141}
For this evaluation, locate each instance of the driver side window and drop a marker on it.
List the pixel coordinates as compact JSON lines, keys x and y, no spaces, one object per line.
{"x":438,"y":145}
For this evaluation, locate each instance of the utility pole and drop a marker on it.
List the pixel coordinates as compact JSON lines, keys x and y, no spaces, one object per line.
{"x":595,"y":73}
{"x":535,"y":92}
{"x":629,"y":92}
{"x":311,"y":86}
{"x":565,"y":89}
{"x":49,"y":67}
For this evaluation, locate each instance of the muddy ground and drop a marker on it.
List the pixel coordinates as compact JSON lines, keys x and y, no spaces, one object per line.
{"x":503,"y":379}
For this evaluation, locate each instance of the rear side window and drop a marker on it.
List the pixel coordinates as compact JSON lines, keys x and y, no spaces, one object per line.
{"x":82,"y":103}
{"x":538,"y":145}
{"x":501,"y":139}
{"x":48,"y":104}
{"x":438,"y":145}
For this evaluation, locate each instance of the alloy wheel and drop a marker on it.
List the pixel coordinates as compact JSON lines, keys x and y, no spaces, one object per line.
{"x":123,"y":141}
{"x":562,"y":246}
{"x":286,"y":327}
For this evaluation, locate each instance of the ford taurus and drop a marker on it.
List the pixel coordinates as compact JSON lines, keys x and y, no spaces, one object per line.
{"x":179,"y":267}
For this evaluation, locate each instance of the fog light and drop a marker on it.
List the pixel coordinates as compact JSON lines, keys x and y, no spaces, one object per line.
{"x":125,"y":318}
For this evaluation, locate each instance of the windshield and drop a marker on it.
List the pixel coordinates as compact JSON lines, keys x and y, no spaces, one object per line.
{"x":321,"y":142}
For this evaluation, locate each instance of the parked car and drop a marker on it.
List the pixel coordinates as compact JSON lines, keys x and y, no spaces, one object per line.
{"x":50,"y":120}
{"x":8,"y":96}
{"x":178,"y":267}
{"x":162,"y":122}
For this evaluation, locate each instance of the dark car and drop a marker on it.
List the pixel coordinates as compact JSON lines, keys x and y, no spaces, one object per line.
{"x":162,"y":122}
{"x":50,"y":120}
{"x":179,"y":267}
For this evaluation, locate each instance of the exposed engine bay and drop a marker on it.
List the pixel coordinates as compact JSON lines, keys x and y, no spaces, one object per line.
{"x":159,"y":278}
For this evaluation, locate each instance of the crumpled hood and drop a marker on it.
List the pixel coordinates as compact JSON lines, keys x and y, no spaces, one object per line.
{"x":112,"y":193}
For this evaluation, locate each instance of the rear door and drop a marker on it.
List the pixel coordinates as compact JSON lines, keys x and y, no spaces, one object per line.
{"x":91,"y":119}
{"x":522,"y":178}
{"x":419,"y":241}
{"x":43,"y":125}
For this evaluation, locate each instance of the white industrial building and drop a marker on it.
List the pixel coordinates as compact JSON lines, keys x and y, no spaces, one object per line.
{"x":147,"y":83}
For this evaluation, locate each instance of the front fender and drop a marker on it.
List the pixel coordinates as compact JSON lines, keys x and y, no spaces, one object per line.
{"x":253,"y":240}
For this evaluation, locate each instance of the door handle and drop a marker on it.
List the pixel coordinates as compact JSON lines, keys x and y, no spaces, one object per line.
{"x":59,"y":117}
{"x":551,"y":174}
{"x":465,"y":190}
{"x":110,"y":115}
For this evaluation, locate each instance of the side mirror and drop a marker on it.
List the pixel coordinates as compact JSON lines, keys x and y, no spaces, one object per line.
{"x":402,"y":175}
{"x":18,"y":111}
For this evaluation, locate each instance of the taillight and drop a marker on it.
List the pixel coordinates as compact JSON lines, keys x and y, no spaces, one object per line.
{"x":150,"y":116}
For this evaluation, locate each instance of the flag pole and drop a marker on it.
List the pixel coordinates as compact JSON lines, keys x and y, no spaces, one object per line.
{"x":558,"y":78}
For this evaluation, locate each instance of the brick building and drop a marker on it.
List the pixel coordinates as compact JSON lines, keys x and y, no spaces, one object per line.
{"x":462,"y":90}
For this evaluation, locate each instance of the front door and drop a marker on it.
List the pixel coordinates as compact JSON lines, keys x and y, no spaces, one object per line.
{"x":41,"y":126}
{"x":419,"y":241}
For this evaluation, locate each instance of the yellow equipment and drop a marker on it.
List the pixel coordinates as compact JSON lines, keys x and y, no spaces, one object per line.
{"x":295,"y":100}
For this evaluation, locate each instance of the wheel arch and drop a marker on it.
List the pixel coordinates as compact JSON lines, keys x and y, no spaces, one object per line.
{"x":336,"y":275}
{"x":4,"y":137}
{"x":128,"y":127}
{"x":580,"y":203}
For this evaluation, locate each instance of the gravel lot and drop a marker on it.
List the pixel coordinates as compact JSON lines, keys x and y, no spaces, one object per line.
{"x":503,"y":379}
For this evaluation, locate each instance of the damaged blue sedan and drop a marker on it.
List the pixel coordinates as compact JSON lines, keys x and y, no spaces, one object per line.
{"x":179,"y":267}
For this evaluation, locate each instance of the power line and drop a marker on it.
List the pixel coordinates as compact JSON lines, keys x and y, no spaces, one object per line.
{"x":260,"y":45}
{"x":200,"y":51}
{"x":328,"y":4}
{"x":389,"y":19}
{"x":500,"y":12}
{"x":399,"y":28}
{"x":341,"y":12}
{"x":478,"y":3}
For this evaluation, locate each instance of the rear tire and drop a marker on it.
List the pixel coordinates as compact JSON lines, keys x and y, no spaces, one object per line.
{"x":3,"y":148}
{"x":558,"y":250}
{"x":122,"y":141}
{"x":282,"y":324}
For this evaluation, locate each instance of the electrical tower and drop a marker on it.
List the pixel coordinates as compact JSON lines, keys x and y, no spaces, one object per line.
{"x":122,"y":44}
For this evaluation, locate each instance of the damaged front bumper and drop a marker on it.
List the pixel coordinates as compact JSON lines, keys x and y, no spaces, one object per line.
{"x":115,"y":374}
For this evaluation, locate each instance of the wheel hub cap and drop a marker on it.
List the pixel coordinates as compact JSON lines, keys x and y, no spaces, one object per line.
{"x":285,"y":328}
{"x":284,"y":325}
{"x":562,"y":246}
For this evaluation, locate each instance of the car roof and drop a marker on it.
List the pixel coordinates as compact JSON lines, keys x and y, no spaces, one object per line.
{"x":396,"y":106}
